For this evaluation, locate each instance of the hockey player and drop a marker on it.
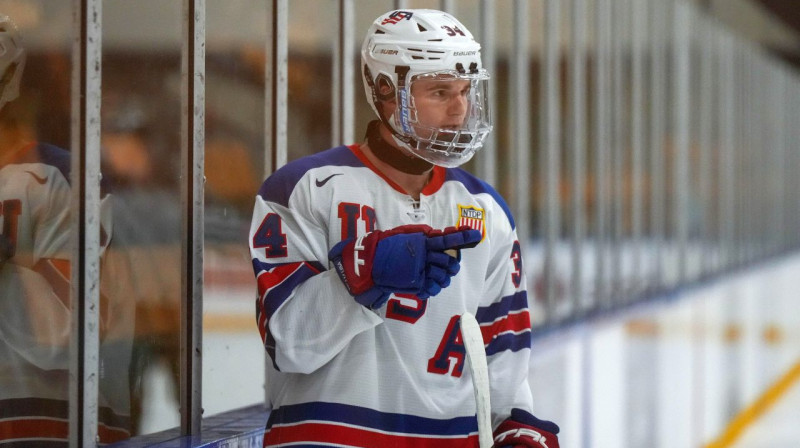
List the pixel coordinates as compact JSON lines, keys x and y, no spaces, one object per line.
{"x":366,"y":255}
{"x":35,"y":311}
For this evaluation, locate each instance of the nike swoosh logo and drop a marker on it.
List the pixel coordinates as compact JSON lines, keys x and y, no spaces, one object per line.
{"x":41,"y":180}
{"x":325,"y":181}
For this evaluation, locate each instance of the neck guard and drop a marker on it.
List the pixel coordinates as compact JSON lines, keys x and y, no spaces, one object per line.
{"x":391,"y":155}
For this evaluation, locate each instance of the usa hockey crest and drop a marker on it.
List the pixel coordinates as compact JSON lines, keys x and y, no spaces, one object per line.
{"x":472,"y":217}
{"x":396,"y":17}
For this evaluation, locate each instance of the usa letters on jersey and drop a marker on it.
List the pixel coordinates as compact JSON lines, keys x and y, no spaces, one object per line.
{"x":345,"y":375}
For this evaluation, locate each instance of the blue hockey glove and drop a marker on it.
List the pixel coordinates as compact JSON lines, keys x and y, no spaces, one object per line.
{"x":406,"y":259}
{"x":444,"y":255}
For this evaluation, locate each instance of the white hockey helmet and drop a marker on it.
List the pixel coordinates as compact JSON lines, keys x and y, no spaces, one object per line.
{"x":12,"y":60}
{"x":404,"y":46}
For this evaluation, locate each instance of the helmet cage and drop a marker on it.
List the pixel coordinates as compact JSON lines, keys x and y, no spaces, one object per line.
{"x":443,"y":146}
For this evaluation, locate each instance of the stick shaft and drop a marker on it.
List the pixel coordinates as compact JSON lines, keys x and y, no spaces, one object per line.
{"x":479,"y":369}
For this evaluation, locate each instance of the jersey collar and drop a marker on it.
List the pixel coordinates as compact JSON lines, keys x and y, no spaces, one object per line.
{"x":19,"y":156}
{"x":433,"y":185}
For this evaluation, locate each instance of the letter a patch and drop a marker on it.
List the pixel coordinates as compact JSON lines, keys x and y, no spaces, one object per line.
{"x":472,"y":217}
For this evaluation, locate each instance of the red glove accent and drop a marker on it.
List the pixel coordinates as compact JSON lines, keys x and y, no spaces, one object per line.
{"x":514,"y":434}
{"x":357,"y":256}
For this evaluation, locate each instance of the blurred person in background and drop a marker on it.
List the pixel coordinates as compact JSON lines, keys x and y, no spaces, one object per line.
{"x":35,"y":301}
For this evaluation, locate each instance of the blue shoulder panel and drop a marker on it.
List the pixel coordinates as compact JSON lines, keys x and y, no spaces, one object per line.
{"x":476,"y":186}
{"x":279,"y":186}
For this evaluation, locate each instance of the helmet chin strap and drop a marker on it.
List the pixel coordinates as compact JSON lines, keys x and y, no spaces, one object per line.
{"x":391,"y":155}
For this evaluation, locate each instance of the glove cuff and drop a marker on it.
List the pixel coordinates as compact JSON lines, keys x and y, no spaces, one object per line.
{"x":354,"y":264}
{"x":373,"y":298}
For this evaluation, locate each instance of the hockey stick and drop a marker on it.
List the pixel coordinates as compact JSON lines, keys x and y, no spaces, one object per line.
{"x":476,"y":355}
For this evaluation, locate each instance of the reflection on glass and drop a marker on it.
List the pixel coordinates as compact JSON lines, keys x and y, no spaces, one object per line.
{"x":140,"y":148}
{"x":144,"y":257}
{"x":35,"y":251}
{"x":234,"y":161}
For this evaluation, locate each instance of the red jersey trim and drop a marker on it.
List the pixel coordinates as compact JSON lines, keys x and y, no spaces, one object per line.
{"x":45,"y":428}
{"x":436,"y":182}
{"x":433,"y":185}
{"x":16,"y":157}
{"x":514,"y":322}
{"x":356,"y":436}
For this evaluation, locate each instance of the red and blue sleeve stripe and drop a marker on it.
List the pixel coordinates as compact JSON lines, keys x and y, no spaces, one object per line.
{"x":277,"y":281}
{"x":32,"y":421}
{"x":506,"y":324}
{"x":340,"y":424}
{"x":275,"y":284}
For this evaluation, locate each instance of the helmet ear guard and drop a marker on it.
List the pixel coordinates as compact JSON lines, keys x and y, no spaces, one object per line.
{"x":384,"y":89}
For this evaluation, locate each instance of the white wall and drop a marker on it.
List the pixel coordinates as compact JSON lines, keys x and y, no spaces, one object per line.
{"x":672,"y":373}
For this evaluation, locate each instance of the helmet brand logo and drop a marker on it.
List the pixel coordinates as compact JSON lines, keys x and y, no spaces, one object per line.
{"x":465,"y":53}
{"x":404,"y":114}
{"x":385,"y":51}
{"x":396,"y":17}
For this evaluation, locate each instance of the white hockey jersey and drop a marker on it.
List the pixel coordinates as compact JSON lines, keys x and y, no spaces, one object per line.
{"x":344,"y":375}
{"x":35,"y":309}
